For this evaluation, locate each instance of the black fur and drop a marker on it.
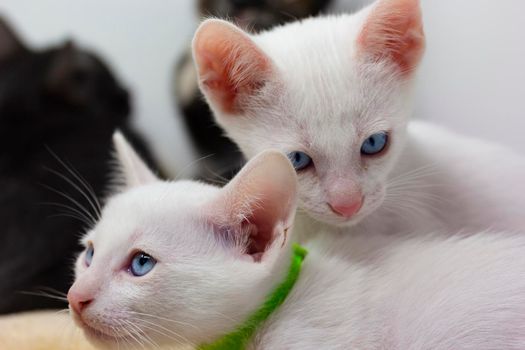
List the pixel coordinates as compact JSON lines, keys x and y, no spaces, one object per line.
{"x":259,"y":15}
{"x":61,"y":101}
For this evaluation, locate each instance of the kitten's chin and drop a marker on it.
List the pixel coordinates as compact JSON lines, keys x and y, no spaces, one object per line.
{"x":345,"y":222}
{"x":330,"y":219}
{"x":102,"y":339}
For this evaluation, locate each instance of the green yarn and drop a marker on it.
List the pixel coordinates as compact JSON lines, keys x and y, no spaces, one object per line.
{"x":238,"y":339}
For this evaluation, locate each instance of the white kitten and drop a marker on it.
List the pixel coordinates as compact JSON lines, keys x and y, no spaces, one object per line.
{"x":198,"y":239}
{"x":188,"y":262}
{"x":335,"y":94}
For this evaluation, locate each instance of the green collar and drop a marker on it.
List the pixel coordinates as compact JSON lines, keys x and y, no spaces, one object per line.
{"x":238,"y":339}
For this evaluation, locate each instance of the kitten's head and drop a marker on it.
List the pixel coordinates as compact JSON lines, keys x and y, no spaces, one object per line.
{"x":334,"y":93}
{"x":183,"y":261}
{"x":261,"y":14}
{"x":57,"y":87}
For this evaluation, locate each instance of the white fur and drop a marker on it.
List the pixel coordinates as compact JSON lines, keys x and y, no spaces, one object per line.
{"x":323,"y":102}
{"x":325,"y":99}
{"x":362,"y":291}
{"x":163,"y":220}
{"x":180,"y":225}
{"x":414,"y":293}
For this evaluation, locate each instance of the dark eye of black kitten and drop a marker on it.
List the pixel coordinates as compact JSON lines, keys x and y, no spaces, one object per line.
{"x":62,"y":101}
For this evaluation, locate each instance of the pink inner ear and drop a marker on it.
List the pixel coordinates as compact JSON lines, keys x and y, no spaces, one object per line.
{"x":229,"y":63}
{"x":253,"y":232}
{"x":263,"y":221}
{"x":394,"y":30}
{"x":252,"y":219}
{"x":257,"y":205}
{"x":259,"y":233}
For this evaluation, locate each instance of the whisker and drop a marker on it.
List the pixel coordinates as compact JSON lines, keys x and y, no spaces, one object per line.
{"x":131,"y":336}
{"x":217,"y":177}
{"x":141,"y":334}
{"x":190,"y":164}
{"x":89,"y":188}
{"x":416,"y":191}
{"x":53,"y":290}
{"x":70,"y":216}
{"x":62,"y":311}
{"x":410,"y":192}
{"x":225,"y":316}
{"x":80,"y":179}
{"x":44,"y":294}
{"x":75,"y":213}
{"x":414,"y":178}
{"x":76,"y":187}
{"x":410,"y":204}
{"x":74,"y":201}
{"x":117,"y":340}
{"x":289,"y":15}
{"x":215,"y":181}
{"x":172,"y":338}
{"x":160,"y":327}
{"x":162,"y":318}
{"x":426,"y":170}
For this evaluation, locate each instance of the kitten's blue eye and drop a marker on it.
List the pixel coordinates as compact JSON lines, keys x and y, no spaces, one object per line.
{"x":300,"y":160}
{"x":141,"y":264}
{"x":89,"y":254}
{"x":374,"y":144}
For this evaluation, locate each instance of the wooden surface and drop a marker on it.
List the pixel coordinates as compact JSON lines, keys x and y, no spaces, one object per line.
{"x":43,"y":330}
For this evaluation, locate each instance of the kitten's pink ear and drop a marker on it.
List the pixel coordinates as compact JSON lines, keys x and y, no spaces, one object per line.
{"x":230,"y":66}
{"x":394,"y":31}
{"x":258,"y":206}
{"x":134,"y":170}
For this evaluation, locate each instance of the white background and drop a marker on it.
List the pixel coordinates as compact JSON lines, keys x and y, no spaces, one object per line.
{"x":472,"y":78}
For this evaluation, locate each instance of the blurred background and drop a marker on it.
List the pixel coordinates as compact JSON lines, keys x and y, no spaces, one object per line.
{"x":471,"y":81}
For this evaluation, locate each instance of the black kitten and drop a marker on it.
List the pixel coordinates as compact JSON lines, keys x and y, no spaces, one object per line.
{"x":222,"y":156}
{"x":60,"y":101}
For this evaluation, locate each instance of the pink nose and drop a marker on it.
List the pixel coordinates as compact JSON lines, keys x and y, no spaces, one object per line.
{"x":78,"y":302}
{"x":346,"y":209}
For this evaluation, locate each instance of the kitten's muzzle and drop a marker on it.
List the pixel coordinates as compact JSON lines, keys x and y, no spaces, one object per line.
{"x":77,"y":301}
{"x":344,"y":196}
{"x":347,"y":209}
